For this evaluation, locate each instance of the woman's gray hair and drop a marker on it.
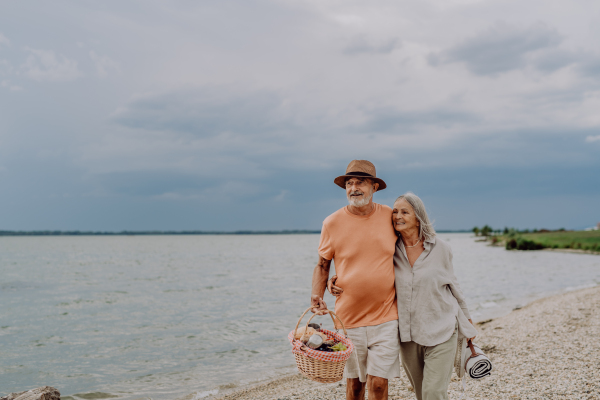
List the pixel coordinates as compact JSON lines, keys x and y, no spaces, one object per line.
{"x":426,"y":230}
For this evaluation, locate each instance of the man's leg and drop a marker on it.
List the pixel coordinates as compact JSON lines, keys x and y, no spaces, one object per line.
{"x":355,"y":389}
{"x":378,"y":388}
{"x":356,"y":366}
{"x":439,"y":362}
{"x":383,"y":359}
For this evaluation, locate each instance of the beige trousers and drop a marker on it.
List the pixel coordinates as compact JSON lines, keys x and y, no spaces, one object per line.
{"x":429,"y":368}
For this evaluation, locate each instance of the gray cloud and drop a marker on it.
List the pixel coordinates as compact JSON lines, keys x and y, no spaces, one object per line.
{"x":255,"y":106}
{"x":390,"y":119}
{"x":590,"y":67}
{"x":103,"y":64}
{"x":7,"y":84}
{"x":362,"y":45}
{"x":5,"y":67}
{"x":555,"y":59}
{"x":592,"y":138}
{"x":149,"y":183}
{"x":46,"y":65}
{"x":4,"y":40}
{"x":204,"y":112}
{"x":501,"y":48}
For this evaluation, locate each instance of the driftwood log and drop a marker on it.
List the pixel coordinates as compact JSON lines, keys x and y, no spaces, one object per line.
{"x":41,"y":393}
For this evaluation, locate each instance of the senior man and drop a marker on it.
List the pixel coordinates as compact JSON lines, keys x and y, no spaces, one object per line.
{"x":361,"y":241}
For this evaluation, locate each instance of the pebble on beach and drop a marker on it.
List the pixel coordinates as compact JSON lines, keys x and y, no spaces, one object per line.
{"x":549,"y":349}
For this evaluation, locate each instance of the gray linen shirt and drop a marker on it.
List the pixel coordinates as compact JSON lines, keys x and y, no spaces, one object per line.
{"x":430,"y":302}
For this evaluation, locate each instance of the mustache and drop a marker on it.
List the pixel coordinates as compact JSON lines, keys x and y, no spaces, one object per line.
{"x":356,"y":192}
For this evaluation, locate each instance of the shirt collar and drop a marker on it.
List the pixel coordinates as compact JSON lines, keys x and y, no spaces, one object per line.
{"x":430,"y":240}
{"x":429,"y":243}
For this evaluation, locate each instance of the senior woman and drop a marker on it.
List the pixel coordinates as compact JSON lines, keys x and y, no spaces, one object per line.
{"x":431,"y":306}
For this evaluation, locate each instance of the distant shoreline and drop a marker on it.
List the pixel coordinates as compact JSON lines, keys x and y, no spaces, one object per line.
{"x":160,"y":233}
{"x":151,"y":233}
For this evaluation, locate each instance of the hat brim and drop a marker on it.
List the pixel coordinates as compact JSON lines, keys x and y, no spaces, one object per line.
{"x":341,"y":181}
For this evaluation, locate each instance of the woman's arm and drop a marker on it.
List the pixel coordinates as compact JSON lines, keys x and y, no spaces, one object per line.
{"x":455,"y":288}
{"x":333,"y":289}
{"x":457,"y":292}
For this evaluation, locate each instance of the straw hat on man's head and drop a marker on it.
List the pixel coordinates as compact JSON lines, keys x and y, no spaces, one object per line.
{"x":360,"y":169}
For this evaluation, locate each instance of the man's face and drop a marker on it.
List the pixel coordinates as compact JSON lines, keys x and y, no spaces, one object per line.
{"x":359,"y":191}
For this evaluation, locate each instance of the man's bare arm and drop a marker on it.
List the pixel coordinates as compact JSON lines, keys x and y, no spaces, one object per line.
{"x":319,"y":283}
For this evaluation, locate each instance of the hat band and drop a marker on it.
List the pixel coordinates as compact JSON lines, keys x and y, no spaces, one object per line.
{"x":360,"y":174}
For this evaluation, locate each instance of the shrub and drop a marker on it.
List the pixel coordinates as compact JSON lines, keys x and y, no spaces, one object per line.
{"x":523,"y":244}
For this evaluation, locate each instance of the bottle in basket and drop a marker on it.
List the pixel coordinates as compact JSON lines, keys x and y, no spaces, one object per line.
{"x":315,"y":341}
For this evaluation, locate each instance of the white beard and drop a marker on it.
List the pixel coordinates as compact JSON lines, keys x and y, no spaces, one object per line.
{"x":366,"y":198}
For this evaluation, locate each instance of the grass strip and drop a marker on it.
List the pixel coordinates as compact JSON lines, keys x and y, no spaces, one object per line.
{"x":578,"y":240}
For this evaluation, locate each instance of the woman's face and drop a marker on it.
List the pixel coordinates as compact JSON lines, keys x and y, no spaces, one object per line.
{"x":403,"y":217}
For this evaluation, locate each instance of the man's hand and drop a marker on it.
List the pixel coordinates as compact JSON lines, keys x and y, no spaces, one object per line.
{"x":334,"y":290}
{"x":318,"y":305}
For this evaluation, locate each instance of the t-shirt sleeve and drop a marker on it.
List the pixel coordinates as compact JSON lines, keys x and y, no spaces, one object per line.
{"x":325,"y":245}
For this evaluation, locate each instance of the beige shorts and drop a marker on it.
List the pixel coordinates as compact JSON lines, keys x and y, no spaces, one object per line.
{"x":376,"y":352}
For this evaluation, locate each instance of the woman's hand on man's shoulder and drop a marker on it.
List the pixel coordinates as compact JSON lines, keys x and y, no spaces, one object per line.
{"x":333,"y":289}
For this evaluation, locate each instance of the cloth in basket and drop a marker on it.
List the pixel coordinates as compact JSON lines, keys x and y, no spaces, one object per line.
{"x":335,"y":356}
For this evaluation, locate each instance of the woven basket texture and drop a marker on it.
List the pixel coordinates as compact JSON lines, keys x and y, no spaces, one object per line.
{"x":321,"y":366}
{"x":320,"y":371}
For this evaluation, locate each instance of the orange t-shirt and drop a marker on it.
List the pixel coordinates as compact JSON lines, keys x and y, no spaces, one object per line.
{"x":362,"y":249}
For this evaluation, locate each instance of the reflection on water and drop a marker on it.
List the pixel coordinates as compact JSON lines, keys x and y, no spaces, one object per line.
{"x":167,"y":317}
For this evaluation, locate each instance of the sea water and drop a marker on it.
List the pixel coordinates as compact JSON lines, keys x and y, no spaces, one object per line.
{"x":173,"y":317}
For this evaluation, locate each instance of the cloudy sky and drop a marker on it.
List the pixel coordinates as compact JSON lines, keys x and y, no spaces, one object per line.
{"x":238,"y":114}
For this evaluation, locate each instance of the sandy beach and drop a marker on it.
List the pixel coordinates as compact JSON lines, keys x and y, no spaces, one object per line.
{"x":549,"y":349}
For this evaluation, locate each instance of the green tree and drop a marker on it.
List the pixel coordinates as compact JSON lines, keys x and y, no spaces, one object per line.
{"x":486,"y":230}
{"x":476,"y":231}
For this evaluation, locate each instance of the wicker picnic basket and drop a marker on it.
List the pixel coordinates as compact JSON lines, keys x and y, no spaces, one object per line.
{"x":321,"y":366}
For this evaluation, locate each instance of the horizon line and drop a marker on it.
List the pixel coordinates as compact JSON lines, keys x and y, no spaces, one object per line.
{"x":170,"y":232}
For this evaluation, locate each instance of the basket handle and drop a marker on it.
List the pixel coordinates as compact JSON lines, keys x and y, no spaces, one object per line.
{"x":331,"y":314}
